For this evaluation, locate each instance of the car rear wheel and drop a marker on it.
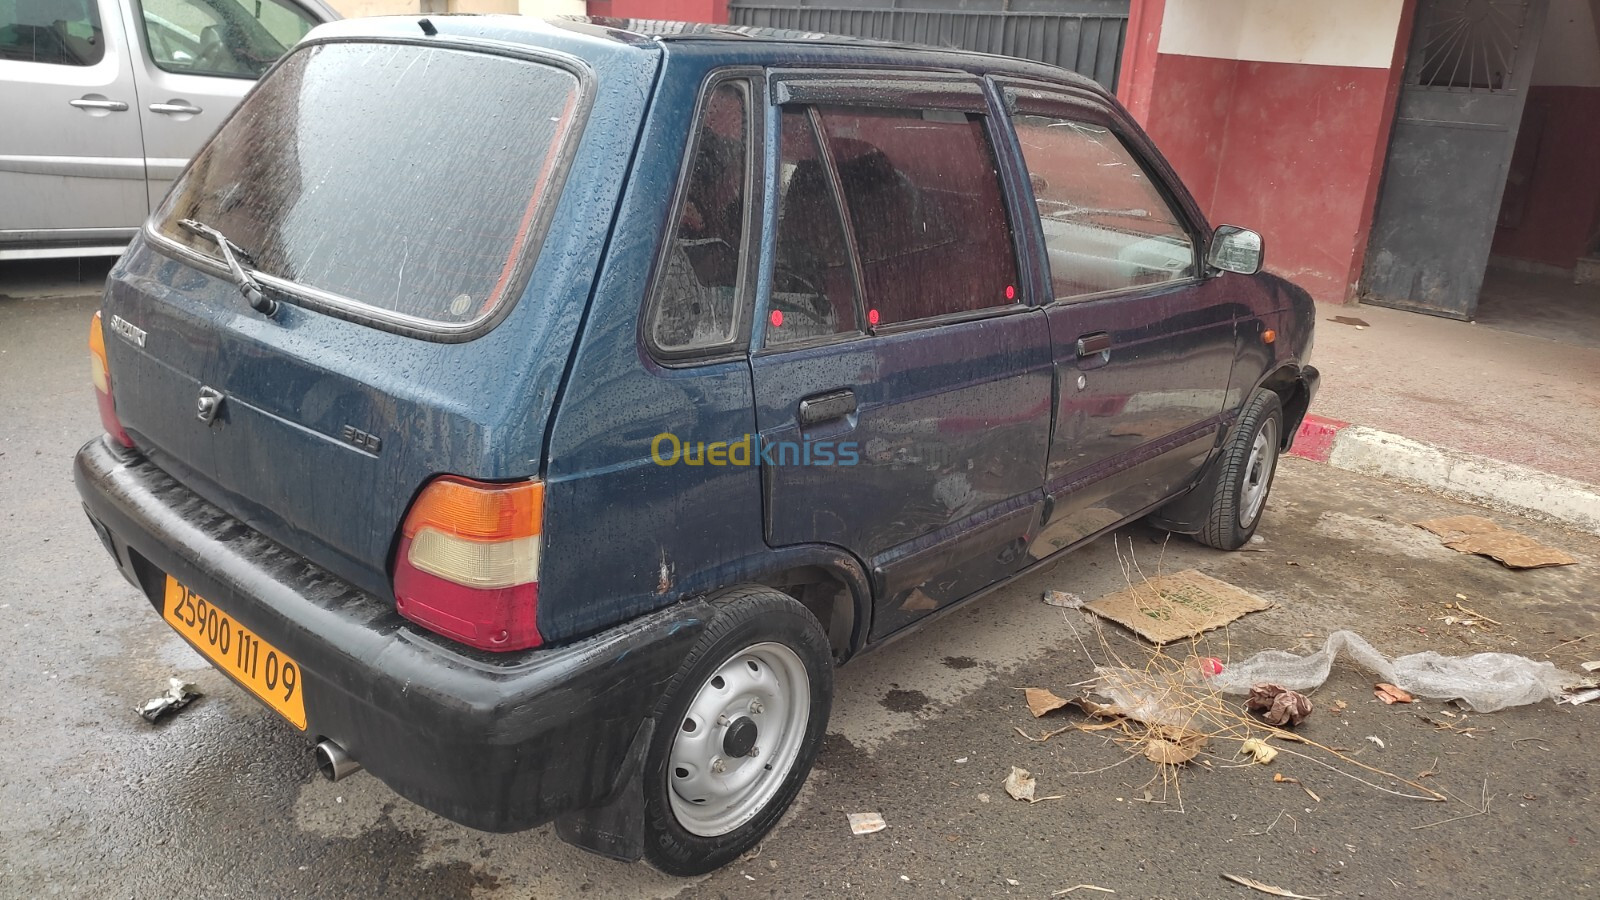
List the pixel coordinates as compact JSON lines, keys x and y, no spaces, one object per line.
{"x":1249,"y":461}
{"x":737,"y":732}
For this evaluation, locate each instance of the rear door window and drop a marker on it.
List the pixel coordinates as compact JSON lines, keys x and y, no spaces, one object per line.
{"x":813,"y":284}
{"x":56,"y":32}
{"x":926,"y":208}
{"x":406,"y":185}
{"x":697,"y":301}
{"x":1107,"y":226}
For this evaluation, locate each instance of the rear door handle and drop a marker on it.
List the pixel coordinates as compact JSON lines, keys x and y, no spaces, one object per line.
{"x":174,"y":109}
{"x":1092,"y":344}
{"x":827,"y":407}
{"x":87,"y":103}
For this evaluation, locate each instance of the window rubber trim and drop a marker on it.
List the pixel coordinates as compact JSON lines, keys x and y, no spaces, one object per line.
{"x":350,"y":310}
{"x":744,"y":290}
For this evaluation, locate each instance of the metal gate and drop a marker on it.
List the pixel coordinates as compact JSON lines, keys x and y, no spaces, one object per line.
{"x":1085,"y":36}
{"x":1455,"y":126}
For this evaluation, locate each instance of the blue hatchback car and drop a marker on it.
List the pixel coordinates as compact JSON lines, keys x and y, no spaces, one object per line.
{"x":535,"y":414}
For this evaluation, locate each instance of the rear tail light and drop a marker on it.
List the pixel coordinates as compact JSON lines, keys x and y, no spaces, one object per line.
{"x":100,"y":371}
{"x":468,"y":563}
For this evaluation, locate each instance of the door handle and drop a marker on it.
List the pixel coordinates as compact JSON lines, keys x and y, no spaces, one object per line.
{"x":1093,"y":344}
{"x":174,"y":109}
{"x":86,"y":103}
{"x":826,"y":407}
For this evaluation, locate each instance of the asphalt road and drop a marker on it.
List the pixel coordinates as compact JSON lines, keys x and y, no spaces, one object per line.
{"x":222,"y":800}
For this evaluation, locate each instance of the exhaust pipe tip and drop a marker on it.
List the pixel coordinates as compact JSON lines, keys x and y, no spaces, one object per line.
{"x":334,"y":763}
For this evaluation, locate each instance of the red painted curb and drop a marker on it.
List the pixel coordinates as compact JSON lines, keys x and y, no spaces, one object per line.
{"x":1315,"y":439}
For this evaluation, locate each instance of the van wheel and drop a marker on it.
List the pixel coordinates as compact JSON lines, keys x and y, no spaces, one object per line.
{"x":1248,"y":461}
{"x":738,"y":730}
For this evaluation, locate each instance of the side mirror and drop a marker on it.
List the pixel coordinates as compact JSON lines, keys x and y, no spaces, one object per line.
{"x":1235,"y":249}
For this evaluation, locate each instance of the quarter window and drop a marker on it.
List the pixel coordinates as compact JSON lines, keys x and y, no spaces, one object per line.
{"x":697,"y":295}
{"x":221,"y":37}
{"x":56,"y":32}
{"x":926,"y":209}
{"x":813,"y":290}
{"x":1107,"y":226}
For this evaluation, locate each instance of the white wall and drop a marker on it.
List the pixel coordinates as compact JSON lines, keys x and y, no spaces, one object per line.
{"x":541,"y":8}
{"x":547,"y":8}
{"x":1569,"y":51}
{"x":1357,"y":33}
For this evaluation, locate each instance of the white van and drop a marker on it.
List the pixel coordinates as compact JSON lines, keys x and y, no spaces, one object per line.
{"x":105,"y":101}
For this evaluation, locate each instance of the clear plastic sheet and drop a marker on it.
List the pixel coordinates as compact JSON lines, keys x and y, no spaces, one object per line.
{"x":1484,"y":681}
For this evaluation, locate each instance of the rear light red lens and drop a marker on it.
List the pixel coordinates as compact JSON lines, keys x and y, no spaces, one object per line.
{"x":100,"y":373}
{"x":468,"y":562}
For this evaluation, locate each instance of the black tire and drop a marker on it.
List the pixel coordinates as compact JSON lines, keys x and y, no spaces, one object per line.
{"x":748,"y":618}
{"x":1245,"y":478}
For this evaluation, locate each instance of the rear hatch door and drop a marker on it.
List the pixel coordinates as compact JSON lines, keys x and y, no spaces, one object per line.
{"x":395,"y":200}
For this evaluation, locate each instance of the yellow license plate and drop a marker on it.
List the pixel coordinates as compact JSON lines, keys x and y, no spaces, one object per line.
{"x":263,"y":669}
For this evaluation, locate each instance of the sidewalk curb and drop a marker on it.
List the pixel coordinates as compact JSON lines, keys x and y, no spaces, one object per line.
{"x":1462,"y":475}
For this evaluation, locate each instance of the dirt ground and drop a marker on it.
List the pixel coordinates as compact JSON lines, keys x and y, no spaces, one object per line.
{"x":222,"y":800}
{"x":1339,"y":553}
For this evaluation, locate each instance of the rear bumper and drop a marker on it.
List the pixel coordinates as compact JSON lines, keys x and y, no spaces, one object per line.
{"x":499,"y":742}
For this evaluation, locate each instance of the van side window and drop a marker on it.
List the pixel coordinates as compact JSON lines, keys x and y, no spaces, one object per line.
{"x":925,"y":203}
{"x":221,"y":37}
{"x":813,"y":287}
{"x":697,"y":294}
{"x":55,"y":32}
{"x":1107,"y":226}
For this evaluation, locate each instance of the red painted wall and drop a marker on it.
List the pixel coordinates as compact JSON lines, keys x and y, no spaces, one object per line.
{"x":1188,"y":116}
{"x":1286,"y":149}
{"x":1555,"y":177}
{"x":676,"y":10}
{"x":1290,"y":149}
{"x":1136,"y":80}
{"x":1300,"y":156}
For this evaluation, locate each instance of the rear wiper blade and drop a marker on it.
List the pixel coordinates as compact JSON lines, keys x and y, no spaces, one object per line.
{"x":248,"y":286}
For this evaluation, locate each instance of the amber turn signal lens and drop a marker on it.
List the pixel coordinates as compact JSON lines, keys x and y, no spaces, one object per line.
{"x":478,"y":511}
{"x":1269,"y":336}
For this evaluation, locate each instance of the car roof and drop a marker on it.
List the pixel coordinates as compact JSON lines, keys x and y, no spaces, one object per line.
{"x":751,"y":43}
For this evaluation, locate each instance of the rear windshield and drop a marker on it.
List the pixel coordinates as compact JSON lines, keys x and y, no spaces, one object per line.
{"x":411,"y":180}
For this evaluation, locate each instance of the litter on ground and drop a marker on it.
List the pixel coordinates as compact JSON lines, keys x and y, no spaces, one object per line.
{"x":1021,"y":785}
{"x":179,"y":694}
{"x":1278,"y":705}
{"x":1041,"y":701}
{"x":1063,"y":599}
{"x":1486,"y":682}
{"x":1390,"y":694}
{"x":1264,"y":888}
{"x":1168,"y":608}
{"x":1475,"y":534}
{"x":867,"y":823}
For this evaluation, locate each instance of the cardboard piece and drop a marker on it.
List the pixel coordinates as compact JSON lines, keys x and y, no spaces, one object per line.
{"x":1475,"y":534}
{"x":867,"y":823}
{"x":1172,"y":607}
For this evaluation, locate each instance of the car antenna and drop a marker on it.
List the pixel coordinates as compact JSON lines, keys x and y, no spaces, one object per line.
{"x":428,"y":28}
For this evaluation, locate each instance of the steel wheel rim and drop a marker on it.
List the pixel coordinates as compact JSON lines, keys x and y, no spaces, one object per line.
{"x":1258,"y":472}
{"x":764,"y":687}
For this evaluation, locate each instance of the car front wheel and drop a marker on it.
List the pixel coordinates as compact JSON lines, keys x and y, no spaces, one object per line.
{"x":1249,"y":461}
{"x":738,"y":730}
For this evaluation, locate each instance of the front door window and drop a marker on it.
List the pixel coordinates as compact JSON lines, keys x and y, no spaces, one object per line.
{"x":231,"y":38}
{"x":1107,"y":227}
{"x":54,"y":32}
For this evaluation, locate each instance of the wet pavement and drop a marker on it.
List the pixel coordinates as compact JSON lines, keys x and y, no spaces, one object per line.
{"x":222,"y":799}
